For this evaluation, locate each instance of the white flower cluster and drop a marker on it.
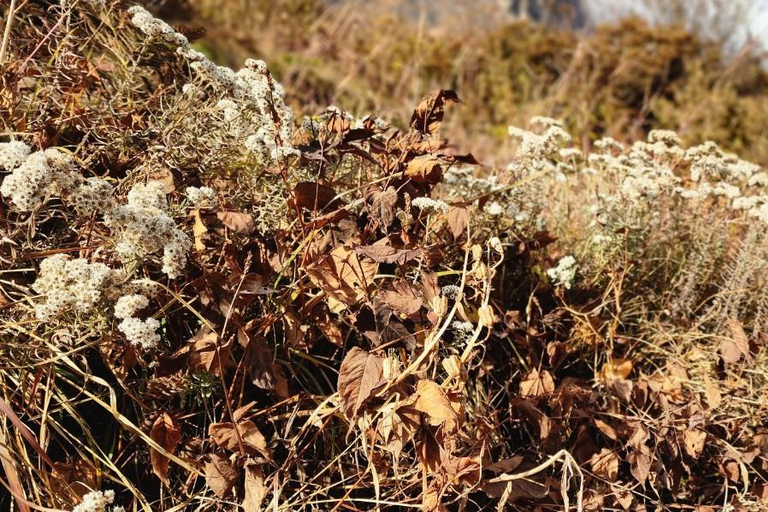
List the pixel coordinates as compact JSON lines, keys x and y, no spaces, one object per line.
{"x":203,"y":196}
{"x":154,"y":27}
{"x":534,"y":146}
{"x":71,"y":284}
{"x":609,"y":145}
{"x":40,"y":175}
{"x":13,"y":154}
{"x":229,"y":109}
{"x":759,"y":179}
{"x":128,"y":305}
{"x":755,"y":206}
{"x":143,"y":226}
{"x":710,"y":163}
{"x":254,"y":104}
{"x":564,"y":273}
{"x":462,"y":331}
{"x":76,"y":284}
{"x":494,"y":209}
{"x":450,"y":291}
{"x":97,"y":501}
{"x":646,"y":170}
{"x":666,"y":137}
{"x":429,"y":205}
{"x":140,"y":333}
{"x":463,"y":182}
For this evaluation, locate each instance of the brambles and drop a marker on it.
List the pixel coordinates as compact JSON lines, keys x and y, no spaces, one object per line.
{"x":202,"y":304}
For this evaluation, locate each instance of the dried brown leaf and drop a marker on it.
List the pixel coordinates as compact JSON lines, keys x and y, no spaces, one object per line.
{"x":199,"y":232}
{"x":760,"y":490}
{"x":729,"y":468}
{"x":461,"y":470}
{"x":220,"y":475}
{"x":537,"y":384}
{"x":382,"y":204}
{"x":263,"y":371}
{"x":387,"y":254}
{"x":255,"y":490}
{"x":640,"y":461}
{"x":694,"y":440}
{"x":238,"y":222}
{"x":432,"y":401}
{"x":605,"y":464}
{"x":618,"y":368}
{"x":314,"y":196}
{"x":737,"y":346}
{"x":712,"y":392}
{"x":164,"y":176}
{"x":429,"y":113}
{"x":606,"y":429}
{"x":167,"y":434}
{"x":402,"y":299}
{"x":534,"y":416}
{"x":253,"y":441}
{"x":343,"y":275}
{"x":458,"y":220}
{"x":209,"y":354}
{"x":425,"y":168}
{"x":395,"y":431}
{"x":359,"y":375}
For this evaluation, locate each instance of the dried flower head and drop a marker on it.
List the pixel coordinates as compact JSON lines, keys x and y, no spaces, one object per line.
{"x":143,"y":227}
{"x":13,"y":154}
{"x":96,"y":501}
{"x":429,"y":205}
{"x":128,"y":305}
{"x":564,"y":273}
{"x":203,"y":196}
{"x":72,"y":284}
{"x":141,"y":333}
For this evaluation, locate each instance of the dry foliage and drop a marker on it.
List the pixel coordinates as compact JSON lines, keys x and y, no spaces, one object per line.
{"x":359,"y":317}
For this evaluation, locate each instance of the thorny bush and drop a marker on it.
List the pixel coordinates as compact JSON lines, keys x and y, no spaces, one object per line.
{"x":206,"y":305}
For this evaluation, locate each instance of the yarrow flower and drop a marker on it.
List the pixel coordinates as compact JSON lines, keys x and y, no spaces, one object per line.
{"x":93,"y":195}
{"x":13,"y":154}
{"x":608,"y":145}
{"x":97,"y":501}
{"x":494,"y":209}
{"x":450,"y":291}
{"x":564,"y":273}
{"x":462,"y":330}
{"x":71,"y":284}
{"x":229,"y":109}
{"x":154,"y":27}
{"x":667,"y":137}
{"x":537,"y":147}
{"x":40,"y":175}
{"x":144,"y":227}
{"x":203,"y":196}
{"x":430,"y":205}
{"x":141,"y":333}
{"x":128,"y":305}
{"x":759,"y":179}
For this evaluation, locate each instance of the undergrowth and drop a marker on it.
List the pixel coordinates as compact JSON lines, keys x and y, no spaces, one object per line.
{"x":207,"y":304}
